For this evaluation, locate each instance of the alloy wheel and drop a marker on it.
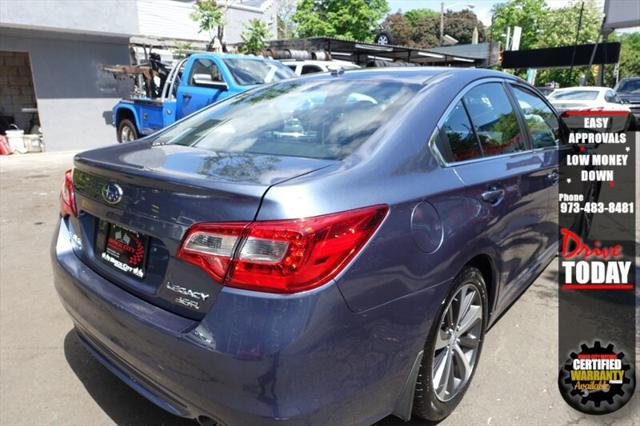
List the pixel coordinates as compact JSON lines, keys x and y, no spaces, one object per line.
{"x":457,"y":343}
{"x":126,"y":134}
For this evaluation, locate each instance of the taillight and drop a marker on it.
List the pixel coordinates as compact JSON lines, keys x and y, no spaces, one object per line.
{"x":67,"y":196}
{"x":283,"y":256}
{"x":211,"y":247}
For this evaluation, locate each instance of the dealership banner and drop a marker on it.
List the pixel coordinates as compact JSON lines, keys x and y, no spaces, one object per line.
{"x":597,"y":267}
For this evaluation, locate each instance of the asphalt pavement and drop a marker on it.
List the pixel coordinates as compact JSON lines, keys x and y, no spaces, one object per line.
{"x":46,"y":376}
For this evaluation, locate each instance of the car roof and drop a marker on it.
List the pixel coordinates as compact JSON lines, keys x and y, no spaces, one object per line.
{"x":231,"y":56}
{"x":316,"y":62}
{"x":584,"y":88}
{"x":416,"y":74}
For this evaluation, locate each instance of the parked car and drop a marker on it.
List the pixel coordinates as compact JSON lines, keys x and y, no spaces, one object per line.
{"x":628,"y":90}
{"x":594,"y":99}
{"x":545,"y":90}
{"x":195,"y":82}
{"x":582,"y":98}
{"x":311,"y":67}
{"x":324,"y":250}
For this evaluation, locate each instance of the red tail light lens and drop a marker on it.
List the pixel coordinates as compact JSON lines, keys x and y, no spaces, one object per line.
{"x":211,"y":247}
{"x":284,"y":256}
{"x":67,"y":196}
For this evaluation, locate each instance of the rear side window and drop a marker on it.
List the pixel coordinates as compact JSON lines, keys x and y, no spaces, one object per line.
{"x":310,"y":69}
{"x":543,"y":125}
{"x":456,"y":140}
{"x":494,"y":120}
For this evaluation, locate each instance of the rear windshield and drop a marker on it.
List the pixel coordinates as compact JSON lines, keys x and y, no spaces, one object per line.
{"x":305,"y":118}
{"x":247,"y":72}
{"x":575,"y":95}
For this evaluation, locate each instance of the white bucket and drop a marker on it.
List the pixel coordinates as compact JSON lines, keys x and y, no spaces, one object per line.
{"x":16,"y":140}
{"x":32,"y":143}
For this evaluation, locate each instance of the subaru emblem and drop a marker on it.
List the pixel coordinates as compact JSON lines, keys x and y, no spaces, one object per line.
{"x":112,"y":193}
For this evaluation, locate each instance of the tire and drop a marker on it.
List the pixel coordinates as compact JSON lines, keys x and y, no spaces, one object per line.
{"x":127,"y":131}
{"x":433,"y":402}
{"x":383,"y":38}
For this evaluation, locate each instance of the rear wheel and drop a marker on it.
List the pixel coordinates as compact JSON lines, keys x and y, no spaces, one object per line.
{"x":453,"y":349}
{"x":127,"y":131}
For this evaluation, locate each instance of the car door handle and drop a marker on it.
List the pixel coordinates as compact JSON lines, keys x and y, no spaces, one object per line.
{"x":553,"y":177}
{"x":493,"y":195}
{"x":187,"y":96}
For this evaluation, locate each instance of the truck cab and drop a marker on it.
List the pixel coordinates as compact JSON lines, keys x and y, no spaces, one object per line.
{"x":193,"y":83}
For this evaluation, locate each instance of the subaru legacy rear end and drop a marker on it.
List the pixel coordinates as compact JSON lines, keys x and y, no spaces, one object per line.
{"x":217,"y":299}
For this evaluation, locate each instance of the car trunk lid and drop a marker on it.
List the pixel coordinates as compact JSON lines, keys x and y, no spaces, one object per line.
{"x":164,"y":190}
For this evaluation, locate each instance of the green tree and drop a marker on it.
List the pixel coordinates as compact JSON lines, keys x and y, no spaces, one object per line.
{"x":460,"y":25}
{"x":400,"y":28}
{"x":423,"y":28}
{"x":209,"y":16}
{"x":353,"y":19}
{"x":558,"y":28}
{"x":629,"y":57}
{"x":427,"y":32}
{"x":415,"y":15}
{"x":254,"y":37}
{"x":527,"y":14}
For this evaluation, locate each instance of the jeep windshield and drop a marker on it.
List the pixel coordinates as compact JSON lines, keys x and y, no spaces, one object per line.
{"x":248,"y":72}
{"x":325,"y":119}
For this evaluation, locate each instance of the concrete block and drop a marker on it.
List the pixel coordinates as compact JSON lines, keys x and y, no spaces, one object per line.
{"x":13,"y":61}
{"x":7,"y":90}
{"x":8,"y":71}
{"x":26,"y":90}
{"x":19,"y":81}
{"x":21,"y":100}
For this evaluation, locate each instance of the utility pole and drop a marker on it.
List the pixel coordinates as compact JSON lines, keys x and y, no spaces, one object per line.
{"x":441,"y":23}
{"x":575,"y":45}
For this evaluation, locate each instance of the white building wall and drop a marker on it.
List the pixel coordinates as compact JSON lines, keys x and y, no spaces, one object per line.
{"x":172,"y":19}
{"x":168,"y":19}
{"x":104,"y":17}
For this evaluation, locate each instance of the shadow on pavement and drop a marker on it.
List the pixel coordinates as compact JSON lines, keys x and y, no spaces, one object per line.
{"x":395,"y":421}
{"x":124,"y":405}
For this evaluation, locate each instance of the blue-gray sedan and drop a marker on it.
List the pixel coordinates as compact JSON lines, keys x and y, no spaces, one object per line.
{"x":326,"y":250}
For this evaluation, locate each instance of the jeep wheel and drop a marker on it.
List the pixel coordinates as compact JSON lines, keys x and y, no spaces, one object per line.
{"x":127,"y":131}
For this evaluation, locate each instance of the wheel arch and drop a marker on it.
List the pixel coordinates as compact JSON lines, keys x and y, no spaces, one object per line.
{"x":487,"y":267}
{"x":127,"y":112}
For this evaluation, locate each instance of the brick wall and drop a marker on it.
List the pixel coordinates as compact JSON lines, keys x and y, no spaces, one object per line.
{"x":16,"y":87}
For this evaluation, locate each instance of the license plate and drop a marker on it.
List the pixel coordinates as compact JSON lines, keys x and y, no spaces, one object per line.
{"x":125,"y":250}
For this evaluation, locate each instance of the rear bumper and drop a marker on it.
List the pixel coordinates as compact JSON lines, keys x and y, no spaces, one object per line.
{"x":254,"y":359}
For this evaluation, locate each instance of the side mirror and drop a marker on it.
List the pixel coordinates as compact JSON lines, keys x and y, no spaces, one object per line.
{"x":205,"y":80}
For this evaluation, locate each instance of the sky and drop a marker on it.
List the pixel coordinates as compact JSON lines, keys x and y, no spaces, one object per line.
{"x":482,"y":8}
